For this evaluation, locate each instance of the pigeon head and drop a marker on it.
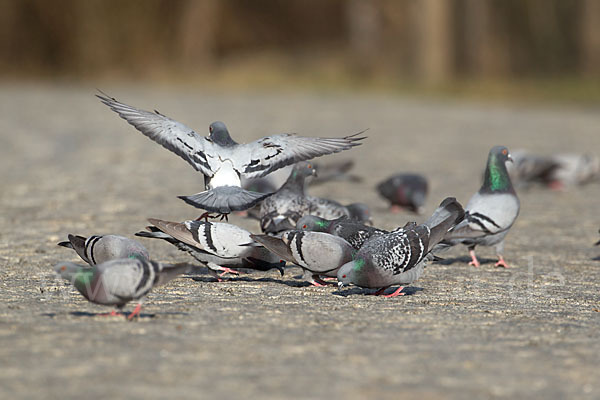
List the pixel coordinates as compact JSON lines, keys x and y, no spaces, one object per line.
{"x":350,"y":272}
{"x":313,"y":223}
{"x":304,"y":169}
{"x":74,"y":273}
{"x":220,"y":135}
{"x":496,"y":177}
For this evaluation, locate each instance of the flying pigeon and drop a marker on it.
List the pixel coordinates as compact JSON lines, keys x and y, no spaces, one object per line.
{"x":97,"y":249}
{"x":404,"y":190}
{"x":350,"y":230}
{"x":117,"y":282}
{"x":223,"y":161}
{"x":319,"y":253}
{"x":280,"y":211}
{"x":218,"y":245}
{"x":490,"y":212}
{"x":398,"y":257}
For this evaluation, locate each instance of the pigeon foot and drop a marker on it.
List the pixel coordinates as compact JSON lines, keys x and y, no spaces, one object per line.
{"x":135,"y":312}
{"x":228,"y":271}
{"x":501,"y":263}
{"x":397,"y":292}
{"x":474,"y":261}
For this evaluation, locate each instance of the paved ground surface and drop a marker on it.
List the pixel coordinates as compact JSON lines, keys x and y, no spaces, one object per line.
{"x":71,"y":166}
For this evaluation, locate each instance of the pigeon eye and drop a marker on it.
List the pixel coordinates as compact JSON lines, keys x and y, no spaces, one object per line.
{"x":343,"y":276}
{"x":505,"y":152}
{"x":303,"y":226}
{"x":309,"y":166}
{"x":210,"y":129}
{"x":63,"y":268}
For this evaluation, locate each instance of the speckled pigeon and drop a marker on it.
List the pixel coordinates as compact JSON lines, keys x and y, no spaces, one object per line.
{"x":117,"y":282}
{"x":280,"y":211}
{"x":97,"y":249}
{"x":319,"y":253}
{"x":350,"y":230}
{"x":404,"y":190}
{"x":398,"y":257}
{"x":218,"y":245}
{"x":491,"y":212}
{"x":223,"y":161}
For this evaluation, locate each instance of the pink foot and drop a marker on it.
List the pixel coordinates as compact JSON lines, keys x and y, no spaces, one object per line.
{"x":501,"y":263}
{"x":394,"y":209}
{"x":228,"y":271}
{"x":556,"y":185}
{"x":330,"y":279}
{"x":474,"y":262}
{"x":318,"y":282}
{"x":113,"y":313}
{"x":397,"y":292}
{"x":135,"y":312}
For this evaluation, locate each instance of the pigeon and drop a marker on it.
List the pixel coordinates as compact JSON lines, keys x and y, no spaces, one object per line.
{"x":359,"y":212}
{"x":573,"y":170}
{"x":491,"y":211}
{"x":528,"y":168}
{"x":317,"y":253}
{"x":404,"y":190}
{"x":223,"y":161}
{"x":280,"y":211}
{"x":218,"y":245}
{"x":97,"y":249}
{"x":398,"y":257}
{"x":350,"y":230}
{"x":117,"y":282}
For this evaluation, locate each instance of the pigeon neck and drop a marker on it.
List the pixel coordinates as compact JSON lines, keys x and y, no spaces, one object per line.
{"x":322,"y":224}
{"x":82,"y":280}
{"x":295,"y":182}
{"x":496,"y":177}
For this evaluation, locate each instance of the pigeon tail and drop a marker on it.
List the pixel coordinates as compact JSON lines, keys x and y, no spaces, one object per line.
{"x":171,"y":271}
{"x":276,"y":246}
{"x":449,"y":213}
{"x":225,"y":199}
{"x":78,"y":244}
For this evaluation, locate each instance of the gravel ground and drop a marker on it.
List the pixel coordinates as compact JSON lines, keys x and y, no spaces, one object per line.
{"x":71,"y":166}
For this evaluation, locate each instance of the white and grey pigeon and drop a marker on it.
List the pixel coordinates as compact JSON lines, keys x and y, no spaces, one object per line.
{"x":573,"y":170}
{"x":117,"y":282}
{"x":221,"y":160}
{"x":317,"y":253}
{"x":398,"y":257}
{"x":354,"y":232}
{"x":97,"y":249}
{"x":491,"y":212}
{"x":218,"y":245}
{"x":280,"y":211}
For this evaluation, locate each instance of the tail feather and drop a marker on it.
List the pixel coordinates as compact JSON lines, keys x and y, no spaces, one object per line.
{"x":177,"y":230}
{"x":171,"y":271}
{"x":225,"y":199}
{"x":78,"y":244}
{"x":276,"y":246}
{"x":449,"y":213}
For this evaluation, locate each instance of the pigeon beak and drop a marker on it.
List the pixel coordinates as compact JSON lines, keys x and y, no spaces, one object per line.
{"x":340,"y":285}
{"x":509,"y":157}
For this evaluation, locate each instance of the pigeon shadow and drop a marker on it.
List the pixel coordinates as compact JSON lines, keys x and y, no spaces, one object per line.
{"x":408,"y":291}
{"x":596,"y":258}
{"x":464,"y":260}
{"x":290,"y":283}
{"x":104,"y":314}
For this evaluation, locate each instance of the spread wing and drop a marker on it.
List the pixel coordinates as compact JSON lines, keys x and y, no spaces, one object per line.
{"x":172,"y":135}
{"x":263,"y":156}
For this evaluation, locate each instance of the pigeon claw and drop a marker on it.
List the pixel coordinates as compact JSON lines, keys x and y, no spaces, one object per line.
{"x":397,"y":292}
{"x":135,"y":312}
{"x":228,"y":271}
{"x":501,"y":263}
{"x":474,"y":261}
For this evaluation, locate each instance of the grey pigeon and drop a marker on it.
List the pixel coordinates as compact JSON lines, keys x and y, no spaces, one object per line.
{"x":350,"y":230}
{"x":528,"y":168}
{"x":573,"y":169}
{"x":398,"y":257}
{"x":97,"y":249}
{"x":360,"y":212}
{"x":319,"y":254}
{"x":117,"y":282}
{"x":223,"y":161}
{"x":404,"y":191}
{"x":218,"y":245}
{"x":491,"y":212}
{"x":280,"y":211}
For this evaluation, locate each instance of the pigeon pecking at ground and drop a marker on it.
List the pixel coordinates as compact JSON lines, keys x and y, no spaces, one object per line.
{"x":348,"y":229}
{"x":280,"y":211}
{"x":398,"y":257}
{"x":317,"y":253}
{"x":218,"y":245}
{"x":223,"y":161}
{"x":404,"y":190}
{"x":97,"y":249}
{"x":490,"y":213}
{"x":117,"y":282}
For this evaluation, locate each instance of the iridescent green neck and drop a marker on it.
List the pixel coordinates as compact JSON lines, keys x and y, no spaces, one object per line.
{"x":496,"y":177}
{"x":83,"y":279}
{"x":322,"y":224}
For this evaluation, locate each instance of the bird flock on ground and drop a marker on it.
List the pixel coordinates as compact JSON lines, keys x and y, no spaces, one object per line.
{"x":332,"y":243}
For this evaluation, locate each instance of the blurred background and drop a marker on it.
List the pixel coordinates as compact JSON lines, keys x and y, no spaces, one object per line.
{"x":517,"y":48}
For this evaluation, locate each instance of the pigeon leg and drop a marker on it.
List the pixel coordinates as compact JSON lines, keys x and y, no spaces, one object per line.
{"x":224,"y":217}
{"x":501,"y":263}
{"x":113,"y":313}
{"x":318,"y":282}
{"x":228,"y":271}
{"x":205,"y":217}
{"x":474,"y":261}
{"x":135,"y":312}
{"x":397,"y":292}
